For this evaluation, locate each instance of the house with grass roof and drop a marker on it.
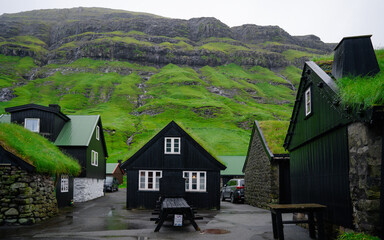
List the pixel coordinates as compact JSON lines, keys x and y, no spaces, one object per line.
{"x":336,"y":137}
{"x":173,"y":152}
{"x":80,"y":136}
{"x":29,"y":167}
{"x":266,"y":165}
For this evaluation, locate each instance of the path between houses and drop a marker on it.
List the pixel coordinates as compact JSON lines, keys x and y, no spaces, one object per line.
{"x":106,"y":218}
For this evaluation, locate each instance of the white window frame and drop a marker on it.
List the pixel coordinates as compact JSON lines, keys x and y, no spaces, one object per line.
{"x":94,"y":158}
{"x":97,"y":133}
{"x":188,"y":181}
{"x":38,"y":124}
{"x":172,"y":139}
{"x":64,"y":183}
{"x":155,"y":180}
{"x":308,"y":102}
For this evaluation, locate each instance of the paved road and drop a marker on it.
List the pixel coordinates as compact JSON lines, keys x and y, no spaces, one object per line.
{"x":107,"y":218}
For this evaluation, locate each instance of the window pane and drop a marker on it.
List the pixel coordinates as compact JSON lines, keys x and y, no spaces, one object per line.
{"x":194,"y":181}
{"x":150,"y":180}
{"x":176,"y":150}
{"x":142,"y":180}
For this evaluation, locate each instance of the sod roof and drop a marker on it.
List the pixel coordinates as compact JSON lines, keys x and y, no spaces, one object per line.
{"x":274,"y":133}
{"x":36,"y":150}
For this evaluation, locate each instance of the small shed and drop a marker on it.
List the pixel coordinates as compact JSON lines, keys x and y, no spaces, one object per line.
{"x":28,"y":165}
{"x":115,"y":170}
{"x":266,"y":166}
{"x":336,"y":147}
{"x":234,"y":168}
{"x":173,"y":152}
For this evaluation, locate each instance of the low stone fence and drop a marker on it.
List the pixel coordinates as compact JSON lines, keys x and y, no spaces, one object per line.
{"x":25,"y":198}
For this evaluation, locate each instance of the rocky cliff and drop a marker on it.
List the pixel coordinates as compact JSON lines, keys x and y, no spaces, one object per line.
{"x":69,"y":34}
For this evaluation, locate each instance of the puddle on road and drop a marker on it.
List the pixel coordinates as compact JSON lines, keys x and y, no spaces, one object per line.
{"x":215,"y":231}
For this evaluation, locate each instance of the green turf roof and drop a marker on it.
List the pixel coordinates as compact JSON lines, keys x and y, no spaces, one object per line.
{"x":78,"y":131}
{"x":36,"y":150}
{"x":274,"y":133}
{"x":111,"y":167}
{"x":234,"y":165}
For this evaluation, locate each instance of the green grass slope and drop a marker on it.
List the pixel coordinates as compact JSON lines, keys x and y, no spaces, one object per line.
{"x":217,"y":104}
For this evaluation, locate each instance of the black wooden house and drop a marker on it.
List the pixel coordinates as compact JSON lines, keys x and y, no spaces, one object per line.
{"x":173,"y":152}
{"x":80,"y":136}
{"x":336,"y":150}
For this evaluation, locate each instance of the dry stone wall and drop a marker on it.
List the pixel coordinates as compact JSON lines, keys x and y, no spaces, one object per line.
{"x":365,"y":153}
{"x":25,"y":198}
{"x":261,"y":177}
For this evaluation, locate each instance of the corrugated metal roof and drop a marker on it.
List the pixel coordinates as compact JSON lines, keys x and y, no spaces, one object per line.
{"x":78,"y":131}
{"x":234,"y":165}
{"x":5,"y":118}
{"x":111,"y":168}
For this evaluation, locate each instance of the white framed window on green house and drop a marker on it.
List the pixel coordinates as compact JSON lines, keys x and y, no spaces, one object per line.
{"x":308,"y":102}
{"x":149,"y":180}
{"x":33,"y":124}
{"x":94,"y":158}
{"x":64,"y":183}
{"x":172,"y":145}
{"x":97,"y":132}
{"x":195,"y":181}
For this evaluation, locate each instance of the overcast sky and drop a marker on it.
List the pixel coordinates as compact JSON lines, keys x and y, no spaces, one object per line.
{"x":331,"y":20}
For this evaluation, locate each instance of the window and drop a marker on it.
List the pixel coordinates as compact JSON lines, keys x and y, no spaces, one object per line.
{"x":172,"y":145}
{"x":33,"y":124}
{"x":94,"y":158}
{"x":97,"y":132}
{"x":149,"y":180}
{"x":195,"y":181}
{"x":64,"y":183}
{"x":308,"y":102}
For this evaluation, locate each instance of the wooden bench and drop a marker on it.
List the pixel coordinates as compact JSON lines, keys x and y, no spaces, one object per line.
{"x":311,"y":209}
{"x":175,"y":206}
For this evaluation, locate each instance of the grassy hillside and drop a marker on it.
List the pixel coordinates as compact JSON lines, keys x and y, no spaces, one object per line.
{"x":218,"y":104}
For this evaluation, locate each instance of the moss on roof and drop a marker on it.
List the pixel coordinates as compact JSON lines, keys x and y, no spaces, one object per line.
{"x":366,"y":91}
{"x":36,"y":150}
{"x":274,"y":133}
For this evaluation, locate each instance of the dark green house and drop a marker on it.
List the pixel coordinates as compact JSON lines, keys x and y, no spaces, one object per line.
{"x":336,"y":147}
{"x":80,"y":136}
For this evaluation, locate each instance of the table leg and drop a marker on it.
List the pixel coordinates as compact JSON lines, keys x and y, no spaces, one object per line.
{"x":311,"y":225}
{"x":279,"y":224}
{"x":274,"y":227}
{"x":320,"y":225}
{"x":190,"y":215}
{"x":163,"y":215}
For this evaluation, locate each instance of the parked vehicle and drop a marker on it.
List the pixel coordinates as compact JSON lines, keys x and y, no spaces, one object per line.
{"x":111,"y":184}
{"x":233,"y":189}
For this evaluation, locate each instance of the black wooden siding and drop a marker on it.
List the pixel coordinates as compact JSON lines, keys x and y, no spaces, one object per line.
{"x":50,"y":123}
{"x":318,"y":147}
{"x":192,"y":158}
{"x":64,"y":198}
{"x":80,"y":154}
{"x":96,"y":145}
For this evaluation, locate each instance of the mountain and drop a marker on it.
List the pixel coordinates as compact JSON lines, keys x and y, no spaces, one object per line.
{"x":139,"y":71}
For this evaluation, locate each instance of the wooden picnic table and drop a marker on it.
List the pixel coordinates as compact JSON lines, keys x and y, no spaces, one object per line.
{"x":310,"y":209}
{"x":176,"y":206}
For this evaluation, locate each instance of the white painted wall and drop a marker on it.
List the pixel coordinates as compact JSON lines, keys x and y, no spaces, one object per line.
{"x":85,"y":189}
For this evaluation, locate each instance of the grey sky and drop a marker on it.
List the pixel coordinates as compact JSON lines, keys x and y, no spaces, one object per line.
{"x":331,"y":20}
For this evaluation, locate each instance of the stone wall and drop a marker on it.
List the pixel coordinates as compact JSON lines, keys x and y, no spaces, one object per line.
{"x":365,"y":153}
{"x":85,"y":189}
{"x":261,"y":176}
{"x":25,"y":198}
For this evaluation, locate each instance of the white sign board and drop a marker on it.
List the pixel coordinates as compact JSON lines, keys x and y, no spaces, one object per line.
{"x":178,"y":221}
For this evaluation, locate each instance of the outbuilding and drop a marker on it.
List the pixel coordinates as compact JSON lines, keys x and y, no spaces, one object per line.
{"x":336,"y":147}
{"x":173,"y":152}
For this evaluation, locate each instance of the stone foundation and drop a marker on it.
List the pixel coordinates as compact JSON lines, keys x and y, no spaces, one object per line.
{"x":26,"y":198}
{"x":85,"y":189}
{"x":365,"y":153}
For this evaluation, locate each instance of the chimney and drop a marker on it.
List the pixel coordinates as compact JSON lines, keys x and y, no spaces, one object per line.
{"x":56,"y":107}
{"x":119,"y":161}
{"x":354,"y":56}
